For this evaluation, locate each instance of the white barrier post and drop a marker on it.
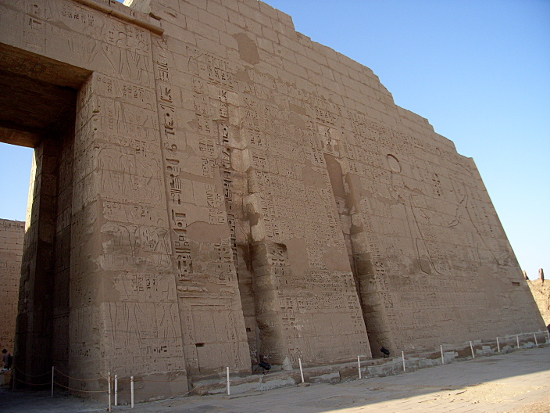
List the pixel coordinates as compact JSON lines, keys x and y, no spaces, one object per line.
{"x":403,"y":356}
{"x":472,"y":348}
{"x":359,"y":365}
{"x":442,"y":357}
{"x":498,"y":345}
{"x":301,"y":370}
{"x":536,"y":342}
{"x":53,"y":373}
{"x":131,"y":392}
{"x":116,"y":390}
{"x":228,"y":383}
{"x":517,"y":339}
{"x":109,"y":390}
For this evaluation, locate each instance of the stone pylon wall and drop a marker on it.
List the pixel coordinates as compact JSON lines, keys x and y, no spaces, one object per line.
{"x":11,"y":250}
{"x":230,"y":191}
{"x":540,"y":288}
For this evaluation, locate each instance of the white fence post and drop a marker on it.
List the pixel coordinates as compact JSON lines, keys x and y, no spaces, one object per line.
{"x":472,"y":348}
{"x":359,"y":365}
{"x":498,"y":345}
{"x":403,"y":356}
{"x":228,"y":383}
{"x":116,"y":390}
{"x":131,"y":392}
{"x":517,"y":339}
{"x":442,"y":356}
{"x":301,"y":369}
{"x":109,"y":390}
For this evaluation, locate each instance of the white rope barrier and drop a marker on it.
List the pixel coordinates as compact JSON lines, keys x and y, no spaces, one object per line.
{"x":113,"y":387}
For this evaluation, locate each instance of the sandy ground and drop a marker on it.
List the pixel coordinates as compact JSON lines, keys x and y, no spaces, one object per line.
{"x":514,"y":382}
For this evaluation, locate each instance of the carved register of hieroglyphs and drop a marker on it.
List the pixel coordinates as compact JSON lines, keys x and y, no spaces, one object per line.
{"x":224,"y":191}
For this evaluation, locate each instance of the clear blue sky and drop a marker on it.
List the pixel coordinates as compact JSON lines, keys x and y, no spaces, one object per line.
{"x":478,"y":70}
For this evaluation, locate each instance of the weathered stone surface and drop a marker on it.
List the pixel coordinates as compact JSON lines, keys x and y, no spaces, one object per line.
{"x":540,"y":288}
{"x":11,"y":249}
{"x":215,"y":188}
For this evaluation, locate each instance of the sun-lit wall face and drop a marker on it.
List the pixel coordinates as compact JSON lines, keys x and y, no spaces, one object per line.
{"x":540,"y":288}
{"x":11,"y":251}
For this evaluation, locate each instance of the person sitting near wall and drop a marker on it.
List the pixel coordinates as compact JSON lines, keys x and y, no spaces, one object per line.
{"x":7,"y":360}
{"x":264,"y":365}
{"x":385,"y":352}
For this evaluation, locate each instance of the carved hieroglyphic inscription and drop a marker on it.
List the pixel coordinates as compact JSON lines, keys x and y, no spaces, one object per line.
{"x":198,"y":175}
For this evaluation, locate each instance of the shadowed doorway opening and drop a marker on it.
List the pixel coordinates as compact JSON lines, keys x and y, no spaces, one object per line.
{"x":38,"y":108}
